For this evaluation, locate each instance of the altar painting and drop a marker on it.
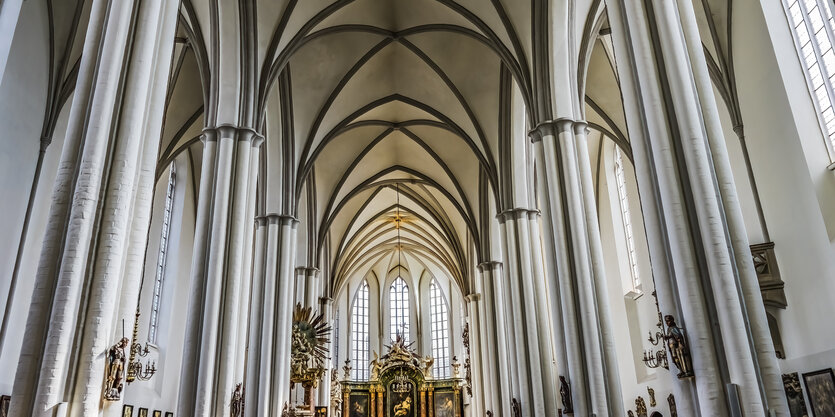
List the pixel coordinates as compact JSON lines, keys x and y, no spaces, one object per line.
{"x":402,"y":404}
{"x":444,"y":404}
{"x":358,"y":405}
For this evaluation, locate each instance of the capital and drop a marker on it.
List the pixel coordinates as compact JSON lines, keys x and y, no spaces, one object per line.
{"x":551,"y":128}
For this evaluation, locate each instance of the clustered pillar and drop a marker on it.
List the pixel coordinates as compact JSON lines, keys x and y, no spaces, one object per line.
{"x":268,"y":360}
{"x":100,"y":200}
{"x":527,"y":329}
{"x":575,"y":256}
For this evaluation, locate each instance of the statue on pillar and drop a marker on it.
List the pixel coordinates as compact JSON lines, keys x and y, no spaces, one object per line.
{"x":456,"y":367}
{"x":115,"y":372}
{"x":236,"y":409}
{"x":375,"y":367}
{"x":565,"y":396}
{"x":346,"y":370}
{"x":516,"y":406}
{"x":427,"y":366}
{"x":679,"y":349}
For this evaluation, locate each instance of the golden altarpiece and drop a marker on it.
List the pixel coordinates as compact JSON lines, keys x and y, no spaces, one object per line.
{"x":401,"y":385}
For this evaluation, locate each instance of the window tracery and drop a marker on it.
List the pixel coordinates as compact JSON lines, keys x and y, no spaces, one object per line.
{"x":439,"y":318}
{"x":399,"y":309}
{"x":812,"y":25}
{"x":360,"y":333}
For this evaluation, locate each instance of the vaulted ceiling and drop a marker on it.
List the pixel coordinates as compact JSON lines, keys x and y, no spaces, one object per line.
{"x":382,"y":109}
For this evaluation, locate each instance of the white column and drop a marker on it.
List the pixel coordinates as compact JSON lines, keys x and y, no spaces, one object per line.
{"x":495,"y":387}
{"x":280,"y":385}
{"x":324,"y":395}
{"x":230,"y":200}
{"x":535,"y":390}
{"x":766,"y":358}
{"x":254,"y":363}
{"x":476,"y":367}
{"x":572,"y":219}
{"x":710,"y":212}
{"x":76,"y":228}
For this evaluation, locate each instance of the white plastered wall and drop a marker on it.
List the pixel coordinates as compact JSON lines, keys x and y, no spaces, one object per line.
{"x":22,"y":104}
{"x":789,"y":160}
{"x":160,"y":393}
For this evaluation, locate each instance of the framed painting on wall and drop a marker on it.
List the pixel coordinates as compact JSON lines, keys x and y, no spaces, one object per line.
{"x":143,"y":412}
{"x":358,"y":404}
{"x":169,"y":414}
{"x":127,"y":411}
{"x":5,"y":400}
{"x":820,"y":387}
{"x":444,"y":404}
{"x":157,"y":413}
{"x":794,"y":395}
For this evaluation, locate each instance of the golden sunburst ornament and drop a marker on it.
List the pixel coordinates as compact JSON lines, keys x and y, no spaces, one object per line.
{"x":310,"y":336}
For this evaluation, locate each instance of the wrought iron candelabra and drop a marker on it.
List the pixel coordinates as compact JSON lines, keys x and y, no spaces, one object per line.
{"x":136,"y":370}
{"x":654,"y":359}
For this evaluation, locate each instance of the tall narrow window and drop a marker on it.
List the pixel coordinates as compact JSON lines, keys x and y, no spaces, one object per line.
{"x":335,"y":338}
{"x":627,"y":221}
{"x":399,"y":295}
{"x":439,"y":316}
{"x":812,"y":24}
{"x":359,"y":334}
{"x":165,"y":230}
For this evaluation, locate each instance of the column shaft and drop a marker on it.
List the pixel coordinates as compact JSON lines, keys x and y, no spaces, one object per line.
{"x":765,"y":358}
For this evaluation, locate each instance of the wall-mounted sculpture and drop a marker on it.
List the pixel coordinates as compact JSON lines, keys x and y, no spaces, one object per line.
{"x":236,"y":408}
{"x":671,"y":400}
{"x":641,"y":407}
{"x":565,"y":396}
{"x":651,"y":393}
{"x":679,"y":349}
{"x":115,"y":372}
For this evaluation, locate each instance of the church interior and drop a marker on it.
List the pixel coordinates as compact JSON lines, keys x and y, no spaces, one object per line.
{"x":417,"y":208}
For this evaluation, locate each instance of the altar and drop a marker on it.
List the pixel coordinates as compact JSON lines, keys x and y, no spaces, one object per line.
{"x":401,"y":385}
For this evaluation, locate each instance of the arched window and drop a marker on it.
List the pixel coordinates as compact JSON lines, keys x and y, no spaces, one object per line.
{"x":812,"y":25}
{"x":161,"y":256}
{"x":359,"y":333}
{"x":439,"y":316}
{"x":399,"y":308}
{"x":623,"y":199}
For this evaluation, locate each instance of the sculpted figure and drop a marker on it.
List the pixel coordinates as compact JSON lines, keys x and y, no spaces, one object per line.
{"x":237,"y":407}
{"x":115,"y":372}
{"x":565,"y":395}
{"x":402,"y":409}
{"x":375,"y":367}
{"x":427,"y":366}
{"x":679,"y":350}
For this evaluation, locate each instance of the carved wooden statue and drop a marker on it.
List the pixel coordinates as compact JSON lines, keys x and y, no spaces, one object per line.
{"x":427,"y":366}
{"x":641,"y":407}
{"x":236,"y":409}
{"x":115,"y":372}
{"x":565,"y":396}
{"x":671,"y":400}
{"x":456,"y":367}
{"x":679,"y":349}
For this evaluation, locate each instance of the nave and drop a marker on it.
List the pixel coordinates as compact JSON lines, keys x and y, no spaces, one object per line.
{"x":417,"y":208}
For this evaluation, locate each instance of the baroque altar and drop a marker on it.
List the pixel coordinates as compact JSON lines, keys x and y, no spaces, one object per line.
{"x":401,"y":385}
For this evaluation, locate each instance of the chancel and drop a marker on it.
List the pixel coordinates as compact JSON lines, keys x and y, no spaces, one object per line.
{"x":417,"y":208}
